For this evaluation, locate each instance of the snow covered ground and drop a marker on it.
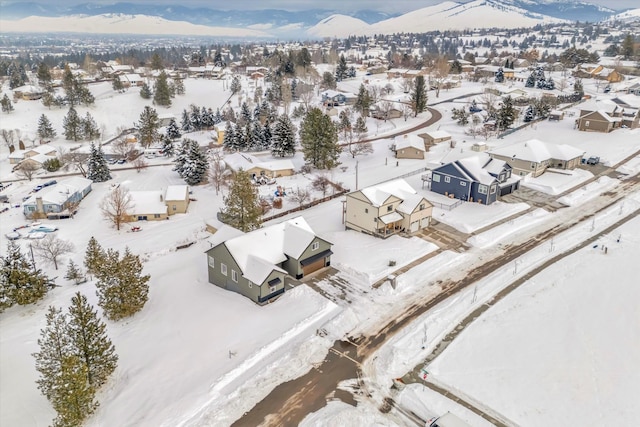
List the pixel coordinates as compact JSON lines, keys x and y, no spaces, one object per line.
{"x":568,"y":335}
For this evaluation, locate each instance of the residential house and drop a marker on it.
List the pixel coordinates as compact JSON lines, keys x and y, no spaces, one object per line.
{"x":28,"y":92}
{"x":478,"y":179}
{"x":34,"y":155}
{"x":147,"y":206}
{"x":434,"y":137}
{"x":385,"y":112}
{"x":387,"y":209}
{"x":57,"y":201}
{"x":332,"y":98}
{"x":409,"y":147}
{"x":177,"y":199}
{"x":597,"y":121}
{"x":535,"y":156}
{"x":255,"y":264}
{"x":258,"y":168}
{"x":131,"y":79}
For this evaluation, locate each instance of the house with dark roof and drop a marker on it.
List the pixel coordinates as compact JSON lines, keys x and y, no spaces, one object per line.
{"x":478,"y":179}
{"x":255,"y":264}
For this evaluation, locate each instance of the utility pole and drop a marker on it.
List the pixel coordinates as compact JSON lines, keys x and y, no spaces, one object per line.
{"x":356,"y":175}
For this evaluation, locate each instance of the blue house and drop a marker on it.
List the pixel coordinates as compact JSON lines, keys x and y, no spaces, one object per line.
{"x":333,"y":98}
{"x":57,"y":201}
{"x":478,"y":179}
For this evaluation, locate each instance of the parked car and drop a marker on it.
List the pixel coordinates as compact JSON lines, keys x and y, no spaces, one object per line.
{"x":44,"y":228}
{"x":37,"y":188}
{"x":13,"y":235}
{"x":112,"y":161}
{"x":122,"y":161}
{"x":49,"y":183}
{"x":593,"y":160}
{"x":37,"y":235}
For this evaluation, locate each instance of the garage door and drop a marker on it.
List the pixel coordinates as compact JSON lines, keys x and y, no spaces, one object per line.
{"x":314,"y":266}
{"x":414,"y":226}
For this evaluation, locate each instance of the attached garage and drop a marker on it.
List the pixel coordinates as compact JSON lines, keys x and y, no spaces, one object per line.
{"x":316,"y":262}
{"x":415,"y":226}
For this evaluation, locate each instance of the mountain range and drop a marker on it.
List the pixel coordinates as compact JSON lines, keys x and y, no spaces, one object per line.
{"x":133,"y":18}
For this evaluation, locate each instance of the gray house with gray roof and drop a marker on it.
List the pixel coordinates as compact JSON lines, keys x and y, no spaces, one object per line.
{"x":255,"y":264}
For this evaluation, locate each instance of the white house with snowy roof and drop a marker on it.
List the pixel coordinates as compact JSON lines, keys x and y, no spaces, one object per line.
{"x":389,"y":208}
{"x":256,"y":264}
{"x":58,"y":200}
{"x":535,"y":156}
{"x":256,"y":168}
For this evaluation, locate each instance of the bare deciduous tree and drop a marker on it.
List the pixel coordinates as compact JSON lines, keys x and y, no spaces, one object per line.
{"x":27,"y":170}
{"x":438,"y":74}
{"x":407,"y":85}
{"x":321,"y":183}
{"x":300,"y":195}
{"x":10,"y":137}
{"x":51,"y":248}
{"x":122,"y":148}
{"x":140,"y":164}
{"x":219,"y":173}
{"x":77,"y":160}
{"x":116,"y":206}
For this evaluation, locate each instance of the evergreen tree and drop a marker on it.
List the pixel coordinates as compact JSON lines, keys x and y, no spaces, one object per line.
{"x":499,"y":75}
{"x":94,"y":256}
{"x":360,"y":128}
{"x":319,"y":140}
{"x":196,"y":167}
{"x":529,"y":114}
{"x":208,"y":118}
{"x":363,"y":101}
{"x":145,"y":91}
{"x":267,"y":135}
{"x":148,"y":126}
{"x":578,"y":88}
{"x":20,"y":282}
{"x":73,"y":273}
{"x":55,"y":344}
{"x":419,"y":96}
{"x":217,"y":118}
{"x":44,"y":75}
{"x":195,"y":118}
{"x":121,"y":288}
{"x":531,"y":81}
{"x":90,"y":341}
{"x":72,"y":124}
{"x":173,"y":132}
{"x":117,"y":84}
{"x":461,"y":116}
{"x":235,"y":86}
{"x":89,"y":127}
{"x":97,"y":168}
{"x":341,"y":69}
{"x":161,"y":92}
{"x":178,"y":84}
{"x":550,"y":84}
{"x":72,"y":397}
{"x":7,"y":106}
{"x":284,"y":137}
{"x":506,"y":114}
{"x":328,"y":81}
{"x":186,"y":124}
{"x":156,"y":62}
{"x":182,"y":156}
{"x":45,"y":129}
{"x":167,"y":146}
{"x":230,"y":141}
{"x":242,"y":208}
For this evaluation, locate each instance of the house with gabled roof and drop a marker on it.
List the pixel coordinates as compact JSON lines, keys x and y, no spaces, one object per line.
{"x":58,"y":200}
{"x":257,"y":168}
{"x":474,"y":179}
{"x":255,"y":264}
{"x":386,"y":209}
{"x":535,"y":157}
{"x":409,"y":147}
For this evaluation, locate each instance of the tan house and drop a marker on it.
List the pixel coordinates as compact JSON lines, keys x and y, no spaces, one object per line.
{"x":258,"y":168}
{"x":387,"y":209}
{"x":535,"y":156}
{"x":597,"y":121}
{"x":434,"y":137}
{"x":409,"y":147}
{"x":35,"y":155}
{"x":177,"y":199}
{"x":147,"y":206}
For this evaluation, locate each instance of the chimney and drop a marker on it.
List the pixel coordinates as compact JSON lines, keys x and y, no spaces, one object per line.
{"x":39,"y":205}
{"x":161,"y":198}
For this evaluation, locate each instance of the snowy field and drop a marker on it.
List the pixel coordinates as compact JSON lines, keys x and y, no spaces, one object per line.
{"x":568,"y":335}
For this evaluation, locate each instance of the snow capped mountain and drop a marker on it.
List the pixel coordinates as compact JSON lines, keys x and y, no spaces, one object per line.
{"x":629,"y":15}
{"x":444,"y":16}
{"x":149,"y":18}
{"x":122,"y":24}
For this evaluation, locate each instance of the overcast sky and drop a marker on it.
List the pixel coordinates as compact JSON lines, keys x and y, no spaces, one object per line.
{"x":398,"y":6}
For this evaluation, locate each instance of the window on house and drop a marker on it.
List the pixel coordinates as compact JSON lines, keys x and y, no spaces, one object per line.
{"x":463,"y":184}
{"x":493,"y":189}
{"x":366,"y":210}
{"x":435,"y":178}
{"x":212,"y":262}
{"x":422,"y":207}
{"x":586,"y":124}
{"x":156,"y":215}
{"x":250,"y":283}
{"x":315,"y":246}
{"x":447,"y":179}
{"x":174,"y":207}
{"x":389,"y":208}
{"x":533,"y":165}
{"x":234,"y":276}
{"x":223,"y":268}
{"x":272,"y":289}
{"x":482,"y":189}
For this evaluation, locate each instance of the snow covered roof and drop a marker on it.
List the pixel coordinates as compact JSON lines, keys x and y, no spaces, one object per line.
{"x":475,"y":166}
{"x":258,"y":252}
{"x":438,"y":134}
{"x":58,"y":194}
{"x":147,"y":202}
{"x":176,"y":192}
{"x":378,"y":194}
{"x":245,"y":161}
{"x":391,"y":217}
{"x":538,"y":151}
{"x":409,"y":141}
